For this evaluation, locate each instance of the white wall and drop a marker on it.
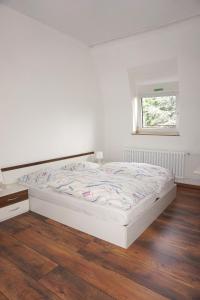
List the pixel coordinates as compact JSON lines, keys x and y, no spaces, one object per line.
{"x":49,"y":103}
{"x":49,"y":99}
{"x":113,"y":61}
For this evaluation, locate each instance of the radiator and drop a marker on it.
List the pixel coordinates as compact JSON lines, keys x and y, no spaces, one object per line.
{"x":172,"y":160}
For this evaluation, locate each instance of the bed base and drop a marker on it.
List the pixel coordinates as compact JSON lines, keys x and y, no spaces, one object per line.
{"x":114,"y":233}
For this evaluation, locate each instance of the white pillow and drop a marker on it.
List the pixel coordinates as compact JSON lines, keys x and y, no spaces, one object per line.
{"x":81,"y":166}
{"x":38,"y":178}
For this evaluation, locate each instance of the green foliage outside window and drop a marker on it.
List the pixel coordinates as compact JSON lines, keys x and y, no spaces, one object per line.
{"x":159,"y":111}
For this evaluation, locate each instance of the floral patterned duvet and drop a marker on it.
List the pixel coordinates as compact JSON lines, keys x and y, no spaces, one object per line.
{"x":118,"y":185}
{"x":141,"y":171}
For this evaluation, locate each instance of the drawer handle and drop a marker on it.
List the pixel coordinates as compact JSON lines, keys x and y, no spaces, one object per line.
{"x":14,"y":209}
{"x":12,"y":199}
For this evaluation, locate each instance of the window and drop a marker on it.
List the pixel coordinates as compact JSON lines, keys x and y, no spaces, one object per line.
{"x":155,"y":109}
{"x":158,"y":111}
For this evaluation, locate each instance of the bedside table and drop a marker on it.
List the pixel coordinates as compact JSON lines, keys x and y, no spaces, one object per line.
{"x":13,"y":201}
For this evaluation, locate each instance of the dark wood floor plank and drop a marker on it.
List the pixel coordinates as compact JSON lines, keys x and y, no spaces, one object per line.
{"x":43,"y":259}
{"x":73,"y":231}
{"x":182,"y":265}
{"x":58,"y":234}
{"x":185,"y":203}
{"x":34,"y":218}
{"x":3,"y":297}
{"x":163,"y":240}
{"x":185,"y":218}
{"x":71,"y":287}
{"x":175,"y":225}
{"x":24,"y":257}
{"x":11,"y":226}
{"x":112,"y":283}
{"x":16,"y":285}
{"x":150,"y":274}
{"x":193,"y":194}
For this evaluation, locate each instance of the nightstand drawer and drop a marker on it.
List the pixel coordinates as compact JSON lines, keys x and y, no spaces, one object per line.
{"x":13,"y":210}
{"x":13,"y":198}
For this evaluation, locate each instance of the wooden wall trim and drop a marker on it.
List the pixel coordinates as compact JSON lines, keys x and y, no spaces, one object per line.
{"x":188,"y":185}
{"x":44,"y":161}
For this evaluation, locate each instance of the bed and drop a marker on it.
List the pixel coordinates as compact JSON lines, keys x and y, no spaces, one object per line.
{"x":118,"y":226}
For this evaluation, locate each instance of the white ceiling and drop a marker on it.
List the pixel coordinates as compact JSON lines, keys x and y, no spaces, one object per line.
{"x":97,"y":21}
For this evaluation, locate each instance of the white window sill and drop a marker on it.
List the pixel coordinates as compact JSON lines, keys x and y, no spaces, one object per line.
{"x":159,"y":133}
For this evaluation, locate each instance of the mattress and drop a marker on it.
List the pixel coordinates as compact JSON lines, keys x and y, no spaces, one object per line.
{"x":110,"y":214}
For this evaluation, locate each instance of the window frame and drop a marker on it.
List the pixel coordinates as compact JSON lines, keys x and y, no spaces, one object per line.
{"x":156,"y":130}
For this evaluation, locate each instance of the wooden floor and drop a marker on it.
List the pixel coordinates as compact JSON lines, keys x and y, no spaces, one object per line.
{"x":42,"y":259}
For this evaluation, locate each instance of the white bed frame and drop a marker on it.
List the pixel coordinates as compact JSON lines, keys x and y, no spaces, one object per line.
{"x":111,"y":232}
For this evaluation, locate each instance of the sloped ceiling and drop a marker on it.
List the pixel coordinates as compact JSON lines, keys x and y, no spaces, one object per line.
{"x":97,"y":21}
